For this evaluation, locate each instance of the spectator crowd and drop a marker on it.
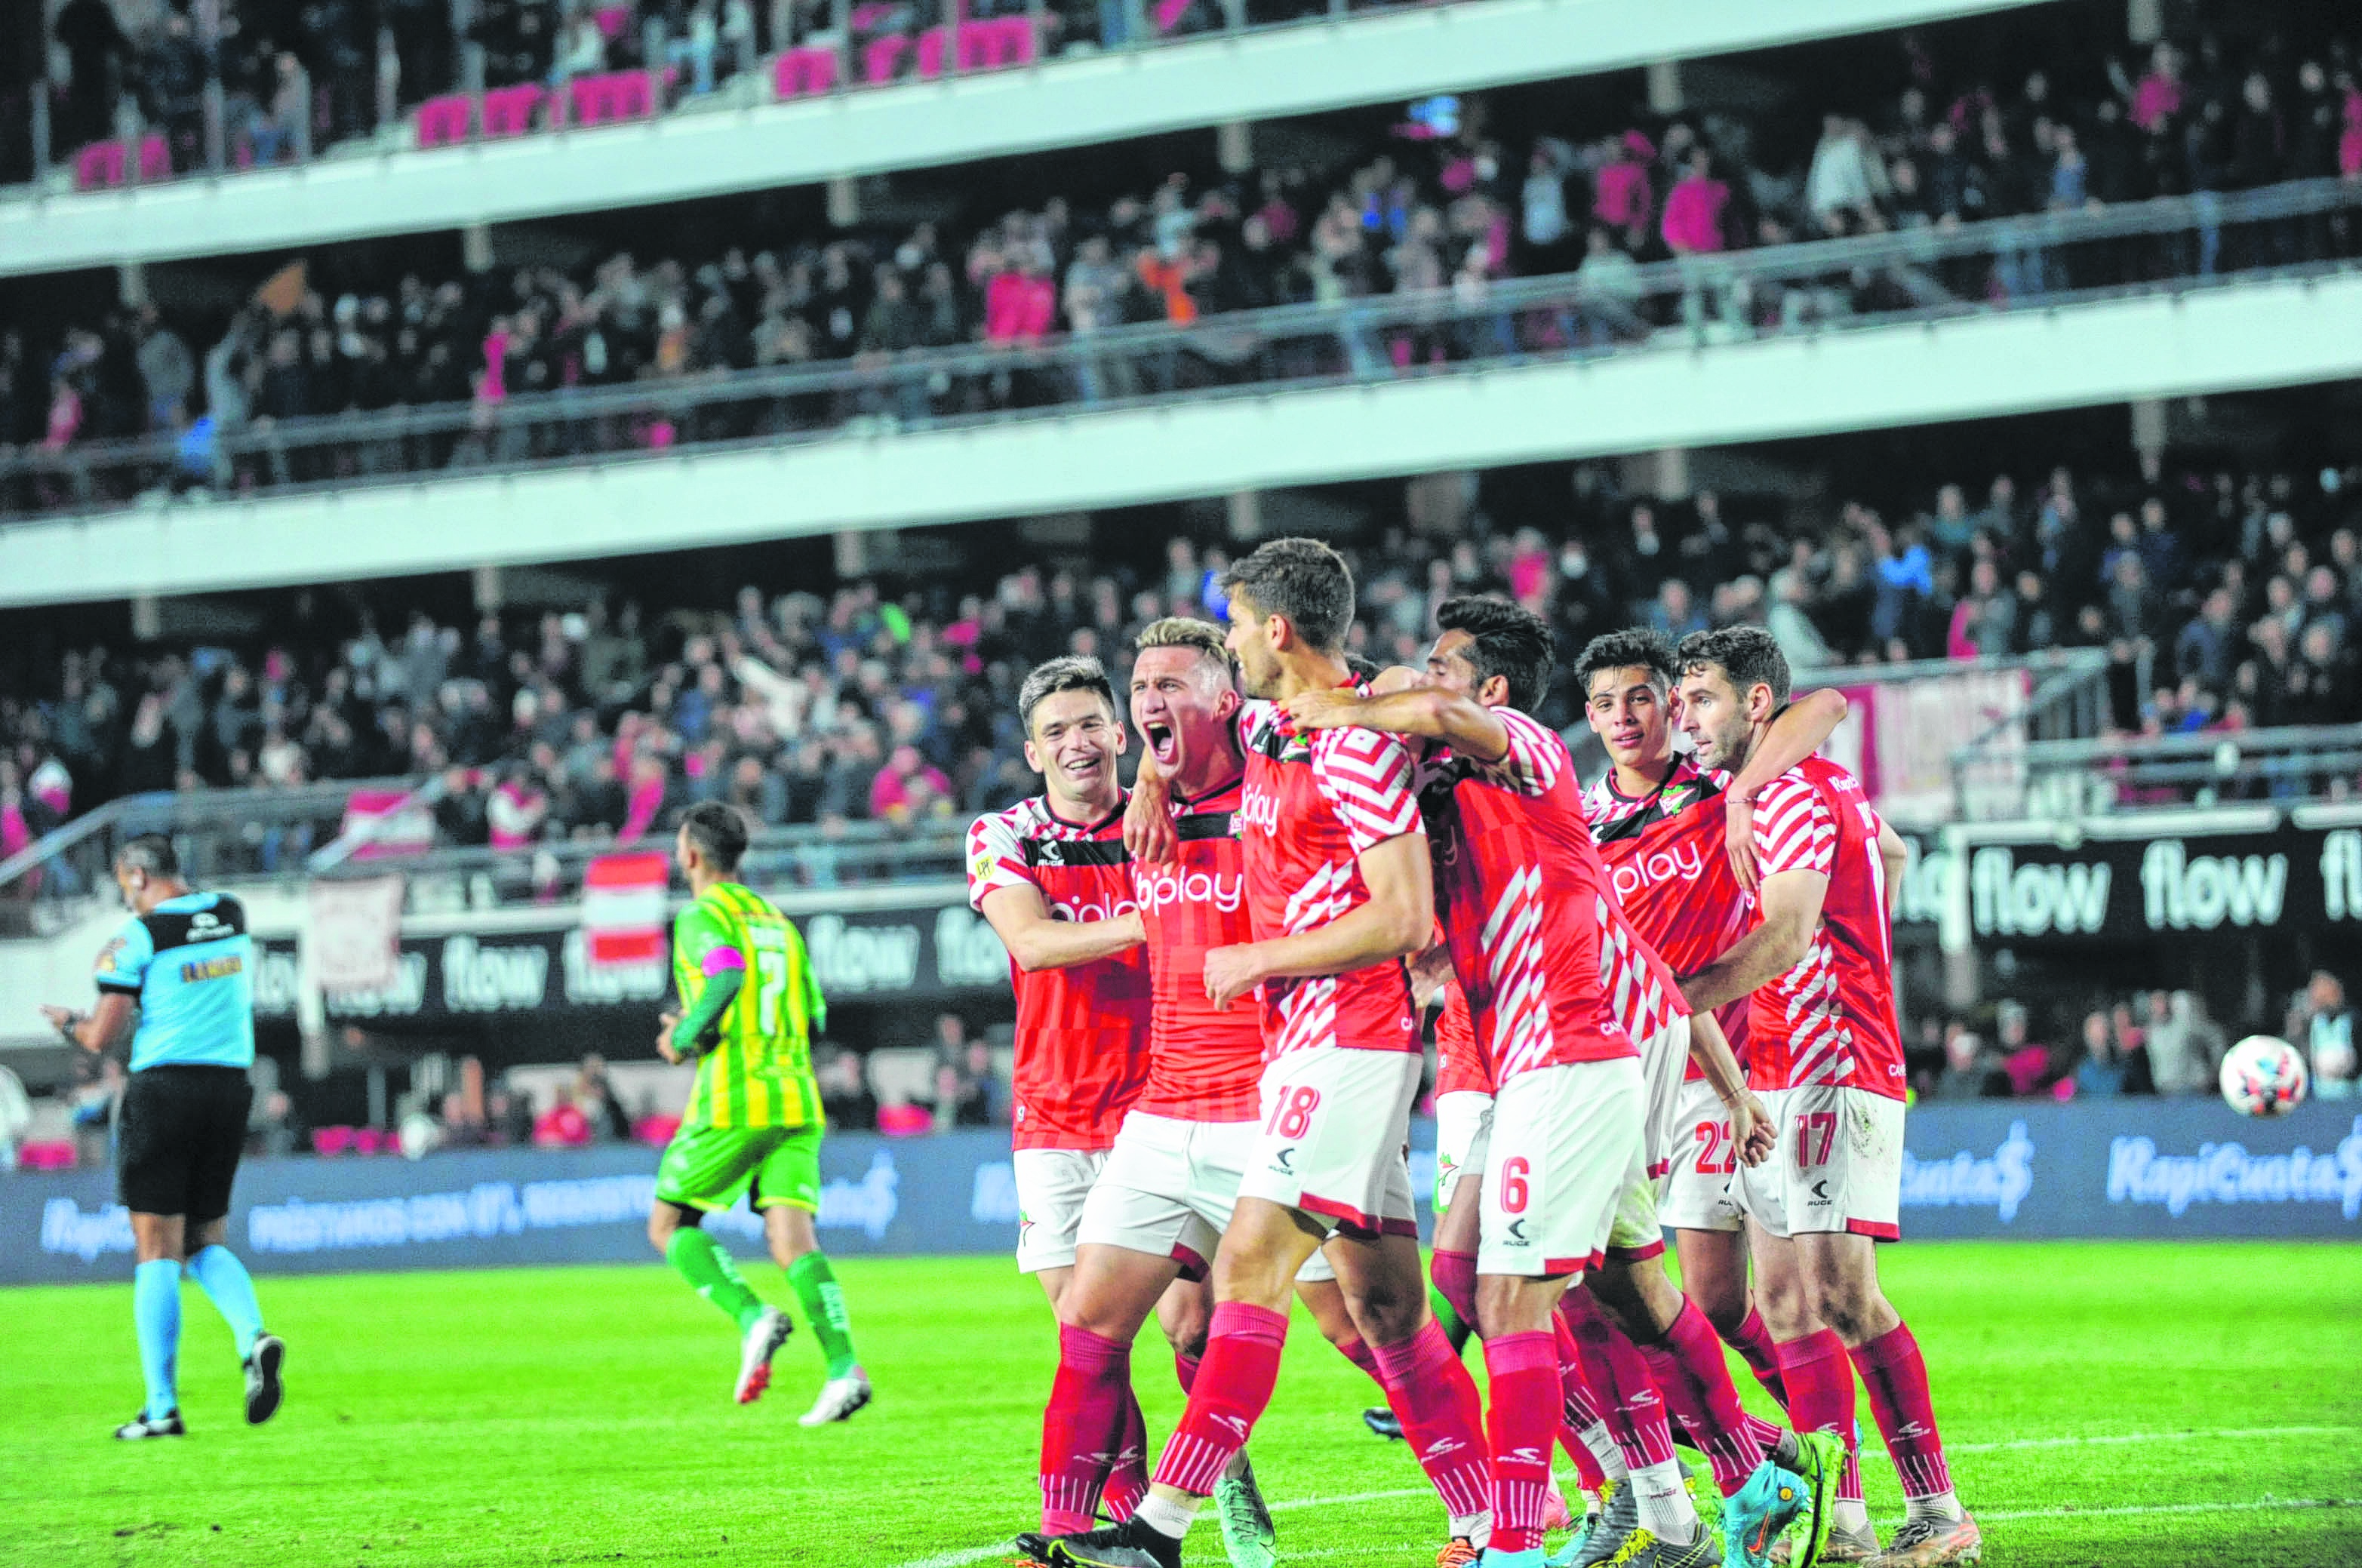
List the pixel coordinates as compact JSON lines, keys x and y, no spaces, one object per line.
{"x":1458,"y":211}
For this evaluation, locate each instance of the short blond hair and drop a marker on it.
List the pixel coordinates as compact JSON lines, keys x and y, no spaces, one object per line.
{"x":1188,"y":631}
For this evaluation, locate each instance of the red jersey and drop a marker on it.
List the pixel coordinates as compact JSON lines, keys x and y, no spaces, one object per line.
{"x":1082,"y":1031}
{"x":1203,"y":1065}
{"x":1311,"y":804}
{"x":1524,"y":900}
{"x":1665,"y":852}
{"x":1460,"y":1066}
{"x":1831,"y":1019}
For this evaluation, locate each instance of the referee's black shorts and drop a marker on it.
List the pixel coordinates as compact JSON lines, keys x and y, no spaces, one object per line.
{"x":182,"y":1130}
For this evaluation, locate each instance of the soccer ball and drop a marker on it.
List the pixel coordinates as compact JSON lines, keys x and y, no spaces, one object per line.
{"x":2263,"y":1075}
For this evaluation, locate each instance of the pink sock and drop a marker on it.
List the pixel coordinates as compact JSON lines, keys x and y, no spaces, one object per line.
{"x":1753,"y":1342}
{"x":1629,"y":1399}
{"x":1688,"y":1369}
{"x":1234,"y":1384}
{"x":1454,"y":1274}
{"x":1582,"y":1406}
{"x":1819,"y":1377}
{"x":1526,"y":1406}
{"x":1083,"y":1426}
{"x":1185,"y":1371}
{"x":1897,"y":1375}
{"x":1358,"y":1353}
{"x":1127,"y":1482}
{"x":1435,"y":1399}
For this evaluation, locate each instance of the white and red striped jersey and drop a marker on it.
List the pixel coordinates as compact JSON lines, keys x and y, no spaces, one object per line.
{"x":1311,"y":804}
{"x":1533,"y":931}
{"x":1831,"y":1019}
{"x":1203,"y":1065}
{"x":1665,"y":852}
{"x":1082,"y":1031}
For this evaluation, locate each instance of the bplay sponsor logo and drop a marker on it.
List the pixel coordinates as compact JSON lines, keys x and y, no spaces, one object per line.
{"x":1161,"y":890}
{"x":1676,"y":863}
{"x":2184,"y":892}
{"x":1259,"y":809}
{"x":2009,"y":899}
{"x":1998,"y":1181}
{"x":1089,"y":909}
{"x":2227,"y":1172}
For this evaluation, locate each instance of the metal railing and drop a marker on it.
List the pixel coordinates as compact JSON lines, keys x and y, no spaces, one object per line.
{"x":2306,"y":228}
{"x":233,"y":838}
{"x":2068,"y":705}
{"x":2064,"y":779}
{"x":373,"y":101}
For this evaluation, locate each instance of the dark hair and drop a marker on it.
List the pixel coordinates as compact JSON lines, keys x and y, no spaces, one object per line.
{"x":1302,"y":580}
{"x":1636,"y":648}
{"x":718,"y":830}
{"x":1362,"y":668}
{"x":149,"y":852}
{"x":1069,"y":672}
{"x":1747,"y":655}
{"x":1509,"y":641}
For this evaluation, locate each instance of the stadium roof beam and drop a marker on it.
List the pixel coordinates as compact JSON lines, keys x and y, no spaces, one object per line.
{"x":1069,"y":102}
{"x":2290,"y":332}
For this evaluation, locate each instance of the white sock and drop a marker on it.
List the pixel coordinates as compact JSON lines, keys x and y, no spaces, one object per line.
{"x":1603,"y":1449}
{"x":1666,"y":1512}
{"x":1476,"y":1529}
{"x":1941,"y":1505}
{"x":1166,"y":1516}
{"x":1850,"y":1515}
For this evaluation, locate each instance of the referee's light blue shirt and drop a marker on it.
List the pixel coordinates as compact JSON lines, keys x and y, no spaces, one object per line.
{"x":190,"y":965}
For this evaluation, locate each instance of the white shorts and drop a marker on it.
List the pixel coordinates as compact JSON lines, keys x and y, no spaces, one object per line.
{"x":1168,"y":1189}
{"x":1463,"y":1128}
{"x":1050,"y":1187}
{"x":1837,"y":1165}
{"x":1335,"y":1140}
{"x":1699,"y":1192}
{"x":1664,"y":1063}
{"x":1566,"y":1148}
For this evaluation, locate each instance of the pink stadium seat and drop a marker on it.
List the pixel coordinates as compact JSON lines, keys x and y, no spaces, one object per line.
{"x":155,"y":157}
{"x":991,"y":45}
{"x":931,"y":53}
{"x":633,"y":98}
{"x":802,"y":71}
{"x":445,"y":121}
{"x":880,"y":58}
{"x":508,"y":111}
{"x":100,"y":165}
{"x":1168,"y":13}
{"x":611,"y":21}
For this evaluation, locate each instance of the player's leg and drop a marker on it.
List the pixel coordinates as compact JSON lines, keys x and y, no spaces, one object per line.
{"x":1463,"y":1129}
{"x":217,"y":1271}
{"x":1700,"y":1205}
{"x":1862,"y":1168}
{"x":1052,"y":1185}
{"x":786,"y":1192}
{"x":705,"y":1169}
{"x":1714,"y":1275}
{"x":155,"y":1139}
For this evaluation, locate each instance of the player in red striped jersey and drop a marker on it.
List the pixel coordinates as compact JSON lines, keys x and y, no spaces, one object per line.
{"x":1824,"y":1048}
{"x":1170,"y":1182}
{"x":1337,"y":888}
{"x":1660,"y":823}
{"x":1551,"y":970}
{"x":1050,"y":875}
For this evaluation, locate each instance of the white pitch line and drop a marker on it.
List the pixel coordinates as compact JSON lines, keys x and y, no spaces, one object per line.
{"x":967,"y":1555}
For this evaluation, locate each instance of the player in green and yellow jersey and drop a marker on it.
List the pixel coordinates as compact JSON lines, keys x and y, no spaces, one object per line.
{"x":749,"y":1007}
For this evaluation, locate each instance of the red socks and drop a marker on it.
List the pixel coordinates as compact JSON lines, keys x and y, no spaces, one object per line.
{"x":1358,"y":1353}
{"x":1127,"y":1482}
{"x":1819,"y":1377}
{"x":1526,"y":1405}
{"x":1185,"y":1371}
{"x":1896,"y":1376}
{"x":1581,"y":1406}
{"x":1753,"y":1342}
{"x":1233,"y":1386}
{"x":1687,"y":1367}
{"x":1454,"y":1278}
{"x":1630,"y":1404}
{"x":1435,"y":1399}
{"x":1092,"y":1414}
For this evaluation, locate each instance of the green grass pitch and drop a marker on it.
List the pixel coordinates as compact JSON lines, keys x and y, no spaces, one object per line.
{"x":2103,"y":1404}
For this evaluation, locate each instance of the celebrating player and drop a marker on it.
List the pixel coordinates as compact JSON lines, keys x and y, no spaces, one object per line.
{"x":1521,"y":884}
{"x":749,"y":1007}
{"x":1336,"y":882}
{"x":1825,"y":1050}
{"x":184,"y":964}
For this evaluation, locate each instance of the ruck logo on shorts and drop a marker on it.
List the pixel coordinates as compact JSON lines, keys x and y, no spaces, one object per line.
{"x":1161,"y":892}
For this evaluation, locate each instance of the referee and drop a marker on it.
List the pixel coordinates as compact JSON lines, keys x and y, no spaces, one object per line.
{"x":184,"y":962}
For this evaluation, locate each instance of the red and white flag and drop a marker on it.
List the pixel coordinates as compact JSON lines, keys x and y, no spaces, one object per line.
{"x":624,"y":907}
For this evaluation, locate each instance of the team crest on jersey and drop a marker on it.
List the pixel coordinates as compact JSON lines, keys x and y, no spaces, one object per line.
{"x":105,"y":965}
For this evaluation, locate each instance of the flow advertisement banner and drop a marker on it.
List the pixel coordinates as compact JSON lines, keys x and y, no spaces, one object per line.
{"x":2159,"y":1169}
{"x":2127,"y":890}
